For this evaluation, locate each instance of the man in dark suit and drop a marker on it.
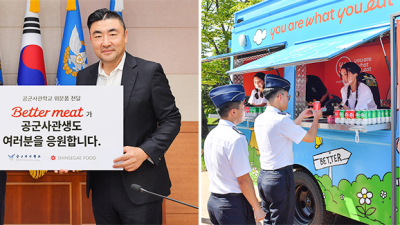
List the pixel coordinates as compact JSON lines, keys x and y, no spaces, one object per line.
{"x":151,"y":123}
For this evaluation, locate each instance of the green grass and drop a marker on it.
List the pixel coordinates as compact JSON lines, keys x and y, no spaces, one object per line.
{"x":203,"y":164}
{"x":212,"y":121}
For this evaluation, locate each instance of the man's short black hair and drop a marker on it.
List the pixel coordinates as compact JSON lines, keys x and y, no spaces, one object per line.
{"x":223,"y":110}
{"x":104,"y":14}
{"x":271,"y":93}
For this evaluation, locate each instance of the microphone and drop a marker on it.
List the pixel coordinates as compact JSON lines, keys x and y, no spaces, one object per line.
{"x":138,"y":188}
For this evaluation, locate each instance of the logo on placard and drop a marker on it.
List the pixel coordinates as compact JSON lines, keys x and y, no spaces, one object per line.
{"x":53,"y":157}
{"x":25,"y":158}
{"x":342,"y":60}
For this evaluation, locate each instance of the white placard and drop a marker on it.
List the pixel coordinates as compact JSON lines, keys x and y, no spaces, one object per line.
{"x":60,"y":127}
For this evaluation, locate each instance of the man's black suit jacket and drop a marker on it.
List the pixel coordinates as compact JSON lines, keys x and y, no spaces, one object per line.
{"x":151,"y":122}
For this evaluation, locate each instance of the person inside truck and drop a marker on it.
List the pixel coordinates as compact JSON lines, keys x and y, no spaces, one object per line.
{"x":257,"y":98}
{"x":316,"y":90}
{"x":355,"y":94}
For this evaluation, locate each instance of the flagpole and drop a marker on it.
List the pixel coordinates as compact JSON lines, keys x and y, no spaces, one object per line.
{"x":1,"y":74}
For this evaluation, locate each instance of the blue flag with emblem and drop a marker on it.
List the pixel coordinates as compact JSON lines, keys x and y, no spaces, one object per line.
{"x":73,"y":51}
{"x":117,"y":6}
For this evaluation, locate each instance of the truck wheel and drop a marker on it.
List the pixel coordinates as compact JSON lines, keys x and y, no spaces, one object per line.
{"x":310,"y":206}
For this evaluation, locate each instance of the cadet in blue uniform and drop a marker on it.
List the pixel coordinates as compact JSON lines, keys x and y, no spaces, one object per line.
{"x":226,"y":155}
{"x":275,"y":133}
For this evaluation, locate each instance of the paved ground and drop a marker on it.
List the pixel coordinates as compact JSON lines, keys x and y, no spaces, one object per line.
{"x":205,"y":194}
{"x":205,"y":219}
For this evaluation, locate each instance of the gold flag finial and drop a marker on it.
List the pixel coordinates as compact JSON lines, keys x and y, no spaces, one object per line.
{"x":37,"y":173}
{"x":71,"y":5}
{"x":35,"y":6}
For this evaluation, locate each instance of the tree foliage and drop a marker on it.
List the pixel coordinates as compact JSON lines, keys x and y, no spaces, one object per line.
{"x":217,"y":20}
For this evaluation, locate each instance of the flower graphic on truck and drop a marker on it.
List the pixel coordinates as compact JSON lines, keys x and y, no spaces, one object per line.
{"x":365,"y":196}
{"x":255,"y":171}
{"x":365,"y":199}
{"x":383,"y":194}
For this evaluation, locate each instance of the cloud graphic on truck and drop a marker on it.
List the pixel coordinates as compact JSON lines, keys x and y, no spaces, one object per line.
{"x":259,"y":36}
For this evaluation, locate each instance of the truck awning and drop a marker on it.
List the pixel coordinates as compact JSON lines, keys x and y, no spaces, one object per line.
{"x":273,"y":47}
{"x":312,"y":51}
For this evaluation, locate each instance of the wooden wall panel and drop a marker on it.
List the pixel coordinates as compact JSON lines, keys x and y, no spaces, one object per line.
{"x":187,"y":219}
{"x":182,"y":161}
{"x":61,"y":199}
{"x":189,"y":127}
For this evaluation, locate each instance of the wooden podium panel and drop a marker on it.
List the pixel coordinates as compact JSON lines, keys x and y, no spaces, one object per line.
{"x":39,"y":203}
{"x":52,"y":199}
{"x":61,"y":199}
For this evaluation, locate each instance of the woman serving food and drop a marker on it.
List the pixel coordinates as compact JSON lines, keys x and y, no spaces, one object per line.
{"x":355,"y":94}
{"x":256,"y":98}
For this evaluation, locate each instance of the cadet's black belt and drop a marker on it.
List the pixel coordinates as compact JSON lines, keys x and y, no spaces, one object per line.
{"x":226,"y":195}
{"x":290,"y":167}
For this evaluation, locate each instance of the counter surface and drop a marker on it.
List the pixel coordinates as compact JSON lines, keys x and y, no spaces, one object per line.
{"x":323,"y":124}
{"x":331,"y":126}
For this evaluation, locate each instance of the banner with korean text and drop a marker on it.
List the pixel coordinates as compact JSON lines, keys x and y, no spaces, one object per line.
{"x":60,"y":127}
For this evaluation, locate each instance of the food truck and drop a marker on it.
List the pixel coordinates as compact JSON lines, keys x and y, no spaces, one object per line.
{"x":352,"y":168}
